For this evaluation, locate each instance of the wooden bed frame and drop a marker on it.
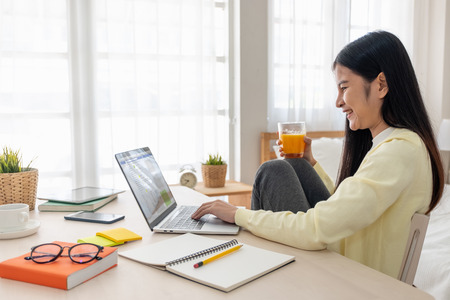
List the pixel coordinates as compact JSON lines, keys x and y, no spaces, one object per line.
{"x":266,"y":146}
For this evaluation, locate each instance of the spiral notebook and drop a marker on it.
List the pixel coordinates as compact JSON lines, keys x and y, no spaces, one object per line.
{"x":179,"y":254}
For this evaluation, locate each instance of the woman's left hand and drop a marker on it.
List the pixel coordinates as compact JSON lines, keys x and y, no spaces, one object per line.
{"x":307,"y":154}
{"x":221,"y":209}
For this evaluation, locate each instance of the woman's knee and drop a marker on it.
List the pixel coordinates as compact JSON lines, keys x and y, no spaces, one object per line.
{"x":299,"y":164}
{"x":273,"y":166}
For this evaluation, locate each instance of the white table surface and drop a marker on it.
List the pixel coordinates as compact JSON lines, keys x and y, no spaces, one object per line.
{"x":314,"y":274}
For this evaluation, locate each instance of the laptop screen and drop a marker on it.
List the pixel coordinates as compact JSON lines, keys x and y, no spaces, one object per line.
{"x":147,"y":184}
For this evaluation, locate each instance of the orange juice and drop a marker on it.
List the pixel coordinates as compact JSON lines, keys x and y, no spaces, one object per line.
{"x":293,"y":144}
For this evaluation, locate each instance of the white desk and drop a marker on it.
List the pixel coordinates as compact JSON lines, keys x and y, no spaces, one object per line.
{"x":314,"y":274}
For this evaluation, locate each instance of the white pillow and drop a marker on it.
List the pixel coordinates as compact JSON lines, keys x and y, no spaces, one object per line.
{"x":327,"y":151}
{"x":443,"y":206}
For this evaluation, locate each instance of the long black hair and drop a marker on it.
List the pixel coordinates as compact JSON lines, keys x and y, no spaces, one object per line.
{"x":403,"y":106}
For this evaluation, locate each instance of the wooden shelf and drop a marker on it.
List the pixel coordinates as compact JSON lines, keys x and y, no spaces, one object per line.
{"x":239,"y":194}
{"x":231,"y":188}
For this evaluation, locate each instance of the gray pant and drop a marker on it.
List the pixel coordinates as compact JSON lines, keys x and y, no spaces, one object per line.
{"x":289,"y":184}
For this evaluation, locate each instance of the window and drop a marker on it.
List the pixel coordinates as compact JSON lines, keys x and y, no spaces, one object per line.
{"x":34,"y":86}
{"x":162,"y":81}
{"x":83,"y":80}
{"x":305,"y":38}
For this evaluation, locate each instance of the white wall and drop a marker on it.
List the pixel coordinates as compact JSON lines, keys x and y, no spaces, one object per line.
{"x":431,"y":61}
{"x":253,"y":83}
{"x":432,"y":56}
{"x":446,"y":64}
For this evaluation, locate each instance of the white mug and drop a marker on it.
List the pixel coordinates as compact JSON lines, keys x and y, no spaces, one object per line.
{"x":13,"y":216}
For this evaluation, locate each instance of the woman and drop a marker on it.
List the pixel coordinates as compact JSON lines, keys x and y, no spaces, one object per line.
{"x":390,"y":167}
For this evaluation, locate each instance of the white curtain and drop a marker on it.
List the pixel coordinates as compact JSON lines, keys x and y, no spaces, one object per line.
{"x":161,"y":81}
{"x":81,"y":80}
{"x":35,"y":87}
{"x":305,"y":37}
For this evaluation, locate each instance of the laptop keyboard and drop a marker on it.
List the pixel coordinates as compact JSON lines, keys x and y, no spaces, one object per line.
{"x":183,"y":220}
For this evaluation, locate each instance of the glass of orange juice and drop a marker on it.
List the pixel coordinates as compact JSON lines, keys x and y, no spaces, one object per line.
{"x":291,"y":135}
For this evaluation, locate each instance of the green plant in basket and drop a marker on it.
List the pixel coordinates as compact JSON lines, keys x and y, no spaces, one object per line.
{"x":17,"y":184}
{"x":214,"y":171}
{"x":11,"y":161}
{"x":215,"y":160}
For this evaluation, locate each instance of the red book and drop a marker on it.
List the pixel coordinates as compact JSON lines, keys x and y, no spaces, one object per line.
{"x":62,"y":273}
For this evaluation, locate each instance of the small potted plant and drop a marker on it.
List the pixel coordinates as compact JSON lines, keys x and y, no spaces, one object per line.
{"x":17,"y":184}
{"x":214,"y":171}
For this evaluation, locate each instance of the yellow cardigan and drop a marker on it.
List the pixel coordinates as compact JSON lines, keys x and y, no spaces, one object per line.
{"x":367,"y":218}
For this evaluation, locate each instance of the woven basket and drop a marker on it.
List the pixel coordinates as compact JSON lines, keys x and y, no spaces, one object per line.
{"x":19,"y":187}
{"x":214,"y":175}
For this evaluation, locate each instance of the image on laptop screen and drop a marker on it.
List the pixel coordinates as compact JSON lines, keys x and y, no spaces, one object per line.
{"x":146,"y":181}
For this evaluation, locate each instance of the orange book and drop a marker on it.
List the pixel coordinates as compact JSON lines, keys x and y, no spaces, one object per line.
{"x":62,"y":273}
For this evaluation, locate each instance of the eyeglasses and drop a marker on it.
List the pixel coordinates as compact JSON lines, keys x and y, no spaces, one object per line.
{"x":79,"y":253}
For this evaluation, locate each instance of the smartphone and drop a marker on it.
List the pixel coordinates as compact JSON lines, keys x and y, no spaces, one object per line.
{"x":94,"y":217}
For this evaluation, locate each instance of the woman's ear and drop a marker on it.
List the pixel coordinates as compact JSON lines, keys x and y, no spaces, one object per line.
{"x":383,"y":86}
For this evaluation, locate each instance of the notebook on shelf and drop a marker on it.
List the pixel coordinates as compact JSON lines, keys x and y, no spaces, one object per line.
{"x":87,"y":206}
{"x":157,"y":202}
{"x":179,"y":254}
{"x":79,"y":195}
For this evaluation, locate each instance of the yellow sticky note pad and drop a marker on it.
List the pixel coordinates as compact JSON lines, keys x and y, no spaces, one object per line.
{"x":119,"y":235}
{"x":99,"y":240}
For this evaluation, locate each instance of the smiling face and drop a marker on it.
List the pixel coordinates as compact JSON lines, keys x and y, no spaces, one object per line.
{"x":360,"y":100}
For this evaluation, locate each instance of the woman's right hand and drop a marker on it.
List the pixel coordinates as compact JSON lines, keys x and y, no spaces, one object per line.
{"x":307,"y":154}
{"x":221,"y":209}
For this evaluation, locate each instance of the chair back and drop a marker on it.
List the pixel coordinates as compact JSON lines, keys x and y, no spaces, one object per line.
{"x":419,"y":224}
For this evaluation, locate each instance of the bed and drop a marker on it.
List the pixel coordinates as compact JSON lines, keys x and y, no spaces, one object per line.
{"x":433,"y":271}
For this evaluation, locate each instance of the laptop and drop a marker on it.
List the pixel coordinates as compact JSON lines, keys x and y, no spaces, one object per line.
{"x":156,"y":201}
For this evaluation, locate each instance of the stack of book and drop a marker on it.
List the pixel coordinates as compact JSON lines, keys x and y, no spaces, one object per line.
{"x":61,"y":273}
{"x":81,"y":199}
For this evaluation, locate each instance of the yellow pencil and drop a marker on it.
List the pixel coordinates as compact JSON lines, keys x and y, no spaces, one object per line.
{"x":213,"y":258}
